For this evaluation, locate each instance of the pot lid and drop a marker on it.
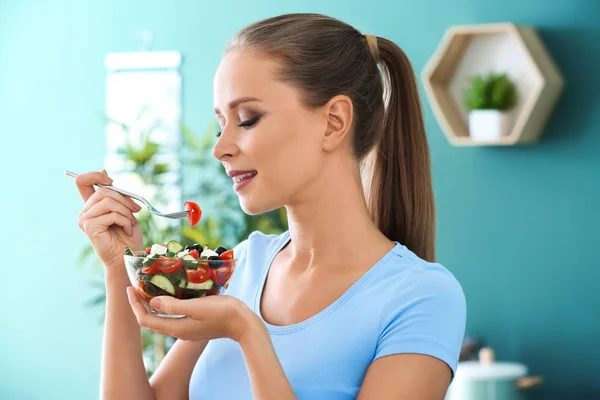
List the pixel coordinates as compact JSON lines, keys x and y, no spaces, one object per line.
{"x":488,"y":368}
{"x":495,"y":370}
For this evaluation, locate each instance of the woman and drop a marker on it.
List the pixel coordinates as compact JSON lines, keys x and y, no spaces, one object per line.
{"x":346,"y":304}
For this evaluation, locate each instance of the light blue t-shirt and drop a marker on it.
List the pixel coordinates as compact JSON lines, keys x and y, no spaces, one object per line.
{"x":403,"y":304}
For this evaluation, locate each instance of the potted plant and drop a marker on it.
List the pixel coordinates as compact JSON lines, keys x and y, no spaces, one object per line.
{"x":488,"y":99}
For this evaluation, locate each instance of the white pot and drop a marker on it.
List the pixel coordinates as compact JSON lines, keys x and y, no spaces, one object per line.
{"x":490,"y":380}
{"x":488,"y":125}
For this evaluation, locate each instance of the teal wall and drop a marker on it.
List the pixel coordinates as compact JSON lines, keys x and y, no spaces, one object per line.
{"x":516,"y":225}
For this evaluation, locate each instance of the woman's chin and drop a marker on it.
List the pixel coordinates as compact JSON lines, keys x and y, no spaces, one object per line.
{"x":250,"y":207}
{"x":253,"y":207}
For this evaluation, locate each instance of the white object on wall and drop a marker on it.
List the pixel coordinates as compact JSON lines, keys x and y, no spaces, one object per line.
{"x":489,"y":125}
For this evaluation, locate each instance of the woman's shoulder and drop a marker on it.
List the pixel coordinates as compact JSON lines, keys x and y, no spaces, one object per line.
{"x":405,"y":270}
{"x":259,"y":244}
{"x":425,"y":308}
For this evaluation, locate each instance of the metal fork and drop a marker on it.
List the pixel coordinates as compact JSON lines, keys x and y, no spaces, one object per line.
{"x":175,"y":215}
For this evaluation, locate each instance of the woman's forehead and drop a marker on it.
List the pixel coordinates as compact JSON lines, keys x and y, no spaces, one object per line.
{"x":246,"y":74}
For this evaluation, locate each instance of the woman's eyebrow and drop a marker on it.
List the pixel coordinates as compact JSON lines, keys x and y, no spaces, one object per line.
{"x":234,"y":103}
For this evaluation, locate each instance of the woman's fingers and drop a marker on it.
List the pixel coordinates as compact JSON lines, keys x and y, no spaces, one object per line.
{"x":180,"y":327}
{"x":103,"y":193}
{"x":85,"y":182}
{"x":105,"y":206}
{"x":97,"y":225}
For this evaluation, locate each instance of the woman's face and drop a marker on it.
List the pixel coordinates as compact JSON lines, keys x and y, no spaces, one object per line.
{"x":266,"y":133}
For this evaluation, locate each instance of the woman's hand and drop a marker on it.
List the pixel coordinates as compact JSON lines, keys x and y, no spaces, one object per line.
{"x":107,"y":219}
{"x":207,"y":318}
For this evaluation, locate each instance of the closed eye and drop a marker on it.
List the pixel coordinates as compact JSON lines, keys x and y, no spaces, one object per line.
{"x":250,"y":122}
{"x":246,"y":124}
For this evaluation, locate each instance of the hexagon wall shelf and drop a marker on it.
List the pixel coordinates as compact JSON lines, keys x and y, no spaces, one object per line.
{"x":515,"y":50}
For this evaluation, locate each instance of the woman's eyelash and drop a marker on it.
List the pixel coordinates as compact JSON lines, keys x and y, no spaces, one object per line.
{"x":245,"y":124}
{"x":250,"y":122}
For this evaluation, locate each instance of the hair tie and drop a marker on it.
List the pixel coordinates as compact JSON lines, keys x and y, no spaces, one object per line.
{"x":373,"y":47}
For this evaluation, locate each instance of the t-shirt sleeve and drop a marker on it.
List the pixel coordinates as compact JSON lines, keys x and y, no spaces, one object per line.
{"x":427,"y":317}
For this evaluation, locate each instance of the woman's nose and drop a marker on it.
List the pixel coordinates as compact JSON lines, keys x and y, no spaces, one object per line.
{"x":225,"y":146}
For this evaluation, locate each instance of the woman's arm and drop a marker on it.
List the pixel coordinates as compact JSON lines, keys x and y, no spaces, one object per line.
{"x":267,"y":377}
{"x":123,"y":372}
{"x":406,"y":377}
{"x":171,"y":381}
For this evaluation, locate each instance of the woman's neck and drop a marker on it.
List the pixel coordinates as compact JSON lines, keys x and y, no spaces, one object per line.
{"x":331,"y":225}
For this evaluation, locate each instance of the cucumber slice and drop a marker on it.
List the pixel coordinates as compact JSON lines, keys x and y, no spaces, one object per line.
{"x":204,"y":285}
{"x":177,"y":276}
{"x":162,"y":282}
{"x":128,"y":251}
{"x":190,"y":264}
{"x":174,"y":247}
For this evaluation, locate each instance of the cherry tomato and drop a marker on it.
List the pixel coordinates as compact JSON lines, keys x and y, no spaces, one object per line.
{"x":167,"y":266}
{"x":227,"y":255}
{"x":194,"y":253}
{"x":147,"y":250}
{"x":221,"y":275}
{"x":202,"y":274}
{"x":194,"y":214}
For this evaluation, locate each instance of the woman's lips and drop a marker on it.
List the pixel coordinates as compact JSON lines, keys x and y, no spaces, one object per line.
{"x":242,"y":178}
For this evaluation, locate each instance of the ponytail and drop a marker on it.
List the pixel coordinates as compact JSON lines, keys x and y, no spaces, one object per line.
{"x":401,"y":195}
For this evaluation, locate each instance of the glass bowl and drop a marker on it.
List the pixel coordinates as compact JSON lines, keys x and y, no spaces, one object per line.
{"x":182,"y":279}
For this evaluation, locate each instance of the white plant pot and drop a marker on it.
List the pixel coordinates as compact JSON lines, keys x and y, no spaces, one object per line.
{"x":488,"y":125}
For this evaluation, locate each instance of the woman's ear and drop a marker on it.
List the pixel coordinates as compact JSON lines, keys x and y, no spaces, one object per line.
{"x":339,"y":113}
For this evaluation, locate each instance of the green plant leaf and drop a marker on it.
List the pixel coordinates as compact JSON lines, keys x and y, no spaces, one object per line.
{"x":190,"y":139}
{"x":491,"y":91}
{"x":99,"y":299}
{"x":193,"y":235}
{"x":160,"y":169}
{"x":85,"y":254}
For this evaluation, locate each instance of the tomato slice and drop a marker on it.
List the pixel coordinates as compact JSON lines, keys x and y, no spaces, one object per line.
{"x":202,"y":274}
{"x":151,"y":269}
{"x":167,"y":266}
{"x":227,"y":255}
{"x":194,"y":214}
{"x":194,"y":253}
{"x":221,"y":275}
